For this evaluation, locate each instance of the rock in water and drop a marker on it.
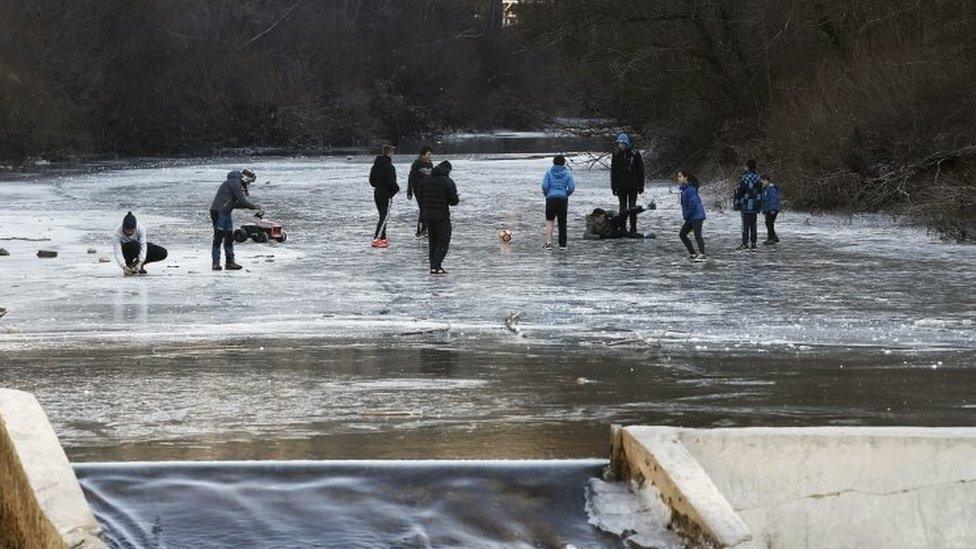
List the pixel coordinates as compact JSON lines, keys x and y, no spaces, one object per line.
{"x":3,"y":251}
{"x":103,"y":259}
{"x":92,"y":251}
{"x":3,"y":311}
{"x":47,"y":253}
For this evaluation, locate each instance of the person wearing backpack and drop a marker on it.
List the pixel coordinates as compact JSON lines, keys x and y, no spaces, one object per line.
{"x":382,"y":177}
{"x":771,"y":208}
{"x":419,"y":174}
{"x":693,"y":212}
{"x":557,"y":187}
{"x":748,"y":201}
{"x":627,"y":178}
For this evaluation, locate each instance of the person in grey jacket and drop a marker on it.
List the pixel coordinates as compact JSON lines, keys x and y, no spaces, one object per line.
{"x":132,"y":250}
{"x":231,"y":195}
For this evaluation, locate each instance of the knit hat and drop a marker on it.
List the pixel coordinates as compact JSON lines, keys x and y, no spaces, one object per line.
{"x":624,"y":138}
{"x":129,"y":222}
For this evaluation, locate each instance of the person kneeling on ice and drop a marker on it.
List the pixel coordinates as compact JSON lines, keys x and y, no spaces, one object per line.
{"x":231,"y":195}
{"x":771,"y":208}
{"x":382,"y":177}
{"x":557,"y":187}
{"x":602,"y":225}
{"x":693,"y":212}
{"x":440,"y":193}
{"x":132,"y":251}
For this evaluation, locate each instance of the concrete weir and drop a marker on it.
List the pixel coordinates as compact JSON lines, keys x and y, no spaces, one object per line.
{"x":809,"y":487}
{"x":41,"y":503}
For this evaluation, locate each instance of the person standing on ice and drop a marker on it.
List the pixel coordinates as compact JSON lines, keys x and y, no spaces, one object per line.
{"x":557,"y":187}
{"x":231,"y":195}
{"x":419,"y":174}
{"x":693,"y":212}
{"x":771,"y":209}
{"x":748,"y":201}
{"x":439,"y":194}
{"x":132,"y":251}
{"x":382,"y":177}
{"x":627,"y":177}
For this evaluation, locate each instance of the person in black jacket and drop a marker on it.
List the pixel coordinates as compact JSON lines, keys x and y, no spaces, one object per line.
{"x":439,"y":194}
{"x":627,"y":177}
{"x":382,"y":177}
{"x":419,"y":174}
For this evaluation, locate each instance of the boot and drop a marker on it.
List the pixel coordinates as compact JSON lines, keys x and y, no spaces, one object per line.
{"x":231,"y":266}
{"x":217,"y":267}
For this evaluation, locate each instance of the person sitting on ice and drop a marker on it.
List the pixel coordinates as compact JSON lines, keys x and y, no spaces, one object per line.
{"x":601,"y":224}
{"x":132,"y":250}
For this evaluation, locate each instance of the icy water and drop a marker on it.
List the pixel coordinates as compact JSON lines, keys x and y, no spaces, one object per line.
{"x":326,"y":349}
{"x":359,"y":504}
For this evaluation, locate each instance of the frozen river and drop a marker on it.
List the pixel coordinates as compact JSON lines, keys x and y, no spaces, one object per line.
{"x":332,"y":349}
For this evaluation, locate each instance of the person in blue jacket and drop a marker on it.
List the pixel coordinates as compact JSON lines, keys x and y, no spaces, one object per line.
{"x":748,"y":201}
{"x":771,"y":208}
{"x":557,"y":186}
{"x":693,"y":212}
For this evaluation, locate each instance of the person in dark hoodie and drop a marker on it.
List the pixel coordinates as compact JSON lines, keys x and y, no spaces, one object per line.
{"x":557,"y":187}
{"x":748,"y":201}
{"x":419,"y":174}
{"x":627,"y":177}
{"x":693,"y":212}
{"x":232,"y":195}
{"x":439,"y":194}
{"x":382,"y":177}
{"x":602,"y":225}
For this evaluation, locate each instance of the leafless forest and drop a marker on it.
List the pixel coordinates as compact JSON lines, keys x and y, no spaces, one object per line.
{"x":852,"y":105}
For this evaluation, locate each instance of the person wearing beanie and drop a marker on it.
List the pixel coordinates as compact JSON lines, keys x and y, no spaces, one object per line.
{"x":557,"y":186}
{"x":439,"y":194}
{"x":231,"y":195}
{"x":627,"y":177}
{"x":383,"y":179}
{"x":132,"y":250}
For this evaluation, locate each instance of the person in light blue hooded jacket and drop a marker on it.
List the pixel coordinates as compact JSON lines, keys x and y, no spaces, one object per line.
{"x":557,"y":186}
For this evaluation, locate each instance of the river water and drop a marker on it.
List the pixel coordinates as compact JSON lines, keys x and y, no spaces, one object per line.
{"x":326,"y":349}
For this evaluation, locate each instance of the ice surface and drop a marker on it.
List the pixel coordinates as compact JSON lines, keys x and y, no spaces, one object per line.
{"x":831,"y":282}
{"x":639,"y":517}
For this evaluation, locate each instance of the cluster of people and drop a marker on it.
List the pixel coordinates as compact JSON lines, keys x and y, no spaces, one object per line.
{"x":436,"y":193}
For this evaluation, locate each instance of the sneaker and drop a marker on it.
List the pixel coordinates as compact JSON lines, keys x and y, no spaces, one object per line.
{"x":692,"y":257}
{"x":769,"y":242}
{"x":231,"y":266}
{"x":548,"y":246}
{"x":700,"y":258}
{"x":381,"y":243}
{"x":752,"y":248}
{"x":217,"y":267}
{"x":143,"y":271}
{"x":742,"y":247}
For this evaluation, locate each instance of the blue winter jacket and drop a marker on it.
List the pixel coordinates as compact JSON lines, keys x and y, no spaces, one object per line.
{"x":748,"y":194}
{"x":558,"y":183}
{"x":692,"y":208}
{"x":770,"y":198}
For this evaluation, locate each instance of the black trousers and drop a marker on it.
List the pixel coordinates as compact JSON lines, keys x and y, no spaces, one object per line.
{"x":383,"y":207}
{"x":771,"y":226}
{"x":687,"y":228}
{"x":627,"y":201}
{"x":421,"y":223}
{"x":438,"y":241}
{"x":749,"y":228}
{"x":556,"y":208}
{"x":154,"y":253}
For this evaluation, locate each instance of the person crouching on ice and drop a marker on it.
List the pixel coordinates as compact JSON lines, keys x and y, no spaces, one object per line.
{"x":601,"y":225}
{"x":132,"y":251}
{"x":231,"y":195}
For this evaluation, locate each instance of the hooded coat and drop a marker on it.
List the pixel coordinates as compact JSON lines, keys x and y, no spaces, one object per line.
{"x":420,"y":172}
{"x":748,"y":193}
{"x":558,"y":183}
{"x":626,"y":169}
{"x":770,"y":199}
{"x":692,"y":208}
{"x":382,"y":177}
{"x":230,"y":196}
{"x":439,"y":194}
